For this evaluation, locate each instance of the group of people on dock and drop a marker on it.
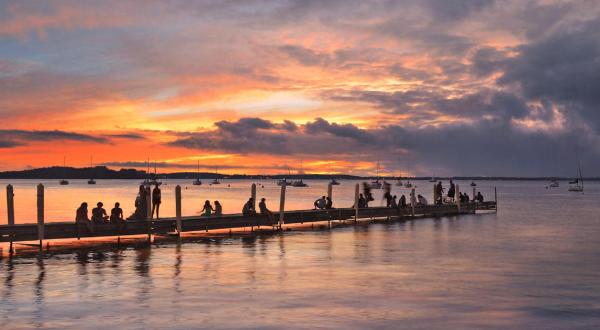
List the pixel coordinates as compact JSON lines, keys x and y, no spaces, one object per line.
{"x":100,"y":216}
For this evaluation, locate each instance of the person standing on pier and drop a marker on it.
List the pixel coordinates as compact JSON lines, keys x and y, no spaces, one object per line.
{"x":402,"y":202}
{"x":439,"y":193}
{"x":156,"y":199}
{"x":451,"y":191}
{"x":394,"y":202}
{"x":329,"y":203}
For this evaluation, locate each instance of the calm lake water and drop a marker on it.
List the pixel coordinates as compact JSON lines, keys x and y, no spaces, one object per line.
{"x":533,"y":265}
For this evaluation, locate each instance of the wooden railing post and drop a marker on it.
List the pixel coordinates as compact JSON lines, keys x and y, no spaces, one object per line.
{"x":496,"y":198}
{"x":149,"y":211}
{"x":178,"y":209}
{"x":282,"y":207}
{"x":40,"y":212}
{"x":330,"y":191}
{"x":356,"y":196}
{"x":10,"y":209}
{"x":413,"y":201}
{"x":253,"y":195}
{"x":457,"y":197}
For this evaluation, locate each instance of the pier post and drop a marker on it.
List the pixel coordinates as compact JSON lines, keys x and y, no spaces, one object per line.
{"x":149,"y":211}
{"x":458,"y":197}
{"x":253,"y":195}
{"x":40,"y":213}
{"x":330,"y":196}
{"x":282,"y":206}
{"x":413,"y":201}
{"x":10,"y":209}
{"x":178,"y":209}
{"x":496,"y":198}
{"x":356,"y":194}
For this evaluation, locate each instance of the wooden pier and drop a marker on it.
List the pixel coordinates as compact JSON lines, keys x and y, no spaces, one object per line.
{"x":41,"y":230}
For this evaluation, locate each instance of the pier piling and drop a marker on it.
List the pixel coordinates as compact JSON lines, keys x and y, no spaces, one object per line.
{"x":40,"y":213}
{"x":457,"y":196}
{"x":149,"y":211}
{"x":413,"y":201}
{"x":282,"y":207}
{"x":356,"y":194}
{"x":10,"y":209}
{"x":178,"y":209}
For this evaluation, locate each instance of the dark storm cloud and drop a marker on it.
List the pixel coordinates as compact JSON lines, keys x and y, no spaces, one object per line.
{"x":563,"y":68}
{"x":490,"y":147}
{"x":129,"y":136}
{"x":15,"y":137}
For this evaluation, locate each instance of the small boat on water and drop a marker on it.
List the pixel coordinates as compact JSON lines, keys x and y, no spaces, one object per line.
{"x":91,"y":180}
{"x":577,"y":184}
{"x":64,"y":182}
{"x":375,"y":184}
{"x":408,"y":184}
{"x":399,"y":183}
{"x":151,"y":182}
{"x":473,"y":184}
{"x":215,"y":181}
{"x":554,"y":183}
{"x":432,"y":179}
{"x":284,"y":182}
{"x":334,"y":182}
{"x":197,"y":182}
{"x":299,"y":183}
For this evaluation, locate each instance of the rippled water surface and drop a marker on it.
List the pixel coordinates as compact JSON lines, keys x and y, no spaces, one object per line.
{"x":533,"y":265}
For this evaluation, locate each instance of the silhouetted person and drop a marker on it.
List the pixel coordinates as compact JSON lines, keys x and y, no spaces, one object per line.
{"x":156,"y":199}
{"x":81,"y":217}
{"x":368,"y":194}
{"x":394,"y":202}
{"x":451,"y":191}
{"x":320,"y":203}
{"x":402,"y":201}
{"x":439,"y":193}
{"x":362,"y":202}
{"x":262,"y":207}
{"x":387,"y":195}
{"x":329,"y":203}
{"x":248,"y":208}
{"x":479,"y":197}
{"x":116,"y":214}
{"x":421,"y":200}
{"x":207,"y":209}
{"x":141,"y":205}
{"x":99,"y":214}
{"x":218,"y":208}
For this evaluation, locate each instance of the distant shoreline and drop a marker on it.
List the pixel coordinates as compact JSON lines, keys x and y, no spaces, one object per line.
{"x":103,"y":172}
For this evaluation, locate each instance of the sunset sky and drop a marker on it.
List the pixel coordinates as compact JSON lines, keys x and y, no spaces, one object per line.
{"x":425,"y":87}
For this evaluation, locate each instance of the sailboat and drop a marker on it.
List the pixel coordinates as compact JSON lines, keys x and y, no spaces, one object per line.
{"x":64,"y":182}
{"x":376,"y":184}
{"x":554,"y":183}
{"x":151,"y":181}
{"x":432,"y":179}
{"x":216,"y":180}
{"x":299,"y":183}
{"x":577,"y":184}
{"x":334,"y":182}
{"x":91,"y":180}
{"x":197,"y":182}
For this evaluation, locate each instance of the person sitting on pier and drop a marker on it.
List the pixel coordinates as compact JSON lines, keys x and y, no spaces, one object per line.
{"x":421,"y":200}
{"x":320,"y":203}
{"x":451,"y":191}
{"x":207,"y":209}
{"x":466,"y":198}
{"x":99,"y":214}
{"x":156,"y":199}
{"x":394,"y":202}
{"x":439,"y":193}
{"x":479,"y":197}
{"x":141,"y":206}
{"x":402,"y":202}
{"x":329,"y":203}
{"x":218,"y":209}
{"x":262,"y":207}
{"x":362,"y":202}
{"x":81,"y":216}
{"x":248,"y":208}
{"x":116,"y":214}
